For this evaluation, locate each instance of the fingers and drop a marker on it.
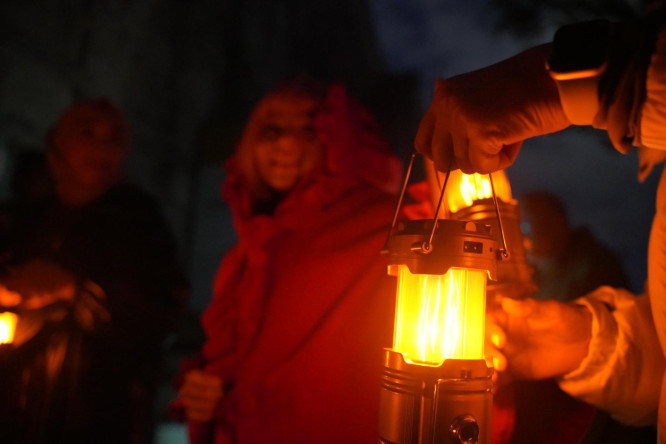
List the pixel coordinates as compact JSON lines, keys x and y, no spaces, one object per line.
{"x":199,"y":384}
{"x":508,"y":155}
{"x":444,"y":138}
{"x":496,"y":339}
{"x":424,"y":139}
{"x":9,"y":298}
{"x":487,"y":154}
{"x":515,"y":307}
{"x":543,"y":338}
{"x":495,"y":324}
{"x":447,"y":149}
{"x":497,"y":361}
{"x":90,"y":312}
{"x":424,"y":135}
{"x":460,"y":148}
{"x":434,"y":138}
{"x":201,"y":394}
{"x":442,"y":151}
{"x":500,"y":362}
{"x":36,"y":300}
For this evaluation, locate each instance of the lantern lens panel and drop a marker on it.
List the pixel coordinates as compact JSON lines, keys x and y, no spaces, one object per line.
{"x":440,"y":317}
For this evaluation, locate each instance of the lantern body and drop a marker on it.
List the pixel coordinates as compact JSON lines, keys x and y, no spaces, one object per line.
{"x":436,"y":386}
{"x":439,"y":317}
{"x":7,"y":327}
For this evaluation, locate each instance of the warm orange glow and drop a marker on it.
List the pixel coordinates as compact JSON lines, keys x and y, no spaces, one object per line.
{"x":440,"y":317}
{"x":463,"y":190}
{"x":7,"y":327}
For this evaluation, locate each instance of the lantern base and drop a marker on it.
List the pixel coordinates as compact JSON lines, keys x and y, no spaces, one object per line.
{"x":450,"y":403}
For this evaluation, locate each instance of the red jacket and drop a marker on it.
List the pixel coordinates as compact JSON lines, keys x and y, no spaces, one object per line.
{"x":302,"y":304}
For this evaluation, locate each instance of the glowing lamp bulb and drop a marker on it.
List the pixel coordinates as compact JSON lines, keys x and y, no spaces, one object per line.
{"x":7,"y":327}
{"x":463,"y":190}
{"x":439,"y":317}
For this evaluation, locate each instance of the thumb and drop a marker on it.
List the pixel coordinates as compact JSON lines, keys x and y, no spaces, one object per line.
{"x":487,"y":154}
{"x":515,"y":307}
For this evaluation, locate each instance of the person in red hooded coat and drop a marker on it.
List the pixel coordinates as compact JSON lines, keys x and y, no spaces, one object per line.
{"x":302,"y":304}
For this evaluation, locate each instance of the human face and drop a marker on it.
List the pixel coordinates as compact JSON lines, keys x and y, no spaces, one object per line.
{"x":92,"y":150}
{"x":286,"y":148}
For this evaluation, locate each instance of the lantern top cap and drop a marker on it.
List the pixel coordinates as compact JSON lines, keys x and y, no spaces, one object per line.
{"x":460,"y":244}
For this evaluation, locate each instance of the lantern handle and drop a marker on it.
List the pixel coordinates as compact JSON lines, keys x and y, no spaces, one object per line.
{"x":503,"y":251}
{"x":397,"y":208}
{"x":427,"y":246}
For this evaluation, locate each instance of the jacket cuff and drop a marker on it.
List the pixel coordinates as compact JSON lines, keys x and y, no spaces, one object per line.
{"x":624,"y":362}
{"x":595,"y":366}
{"x":652,"y":133}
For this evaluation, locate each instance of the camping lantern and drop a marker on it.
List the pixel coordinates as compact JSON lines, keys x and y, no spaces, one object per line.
{"x":466,"y":190}
{"x":473,"y":197}
{"x":436,"y":383}
{"x":7,"y":327}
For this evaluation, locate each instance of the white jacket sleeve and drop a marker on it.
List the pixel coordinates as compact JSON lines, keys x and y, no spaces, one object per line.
{"x":623,"y":371}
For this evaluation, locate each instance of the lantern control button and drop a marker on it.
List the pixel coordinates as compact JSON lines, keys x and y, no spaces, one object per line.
{"x":473,"y":247}
{"x":464,"y":430}
{"x":470,"y":226}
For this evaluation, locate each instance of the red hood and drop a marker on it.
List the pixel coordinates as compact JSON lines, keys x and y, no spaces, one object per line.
{"x":356,"y":154}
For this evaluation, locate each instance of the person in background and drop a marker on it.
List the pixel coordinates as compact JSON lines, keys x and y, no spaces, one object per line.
{"x":91,"y":270}
{"x":606,"y":347}
{"x":568,"y":262}
{"x":302,"y":304}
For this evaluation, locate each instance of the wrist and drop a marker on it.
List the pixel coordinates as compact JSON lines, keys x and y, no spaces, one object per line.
{"x":581,"y":347}
{"x":598,"y":345}
{"x":577,"y":61}
{"x":651,"y":132}
{"x":545,"y":98}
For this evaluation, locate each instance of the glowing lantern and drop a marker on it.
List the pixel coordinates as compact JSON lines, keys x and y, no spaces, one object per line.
{"x":440,"y":303}
{"x":464,"y":190}
{"x":7,"y":327}
{"x":470,"y":197}
{"x":436,"y":383}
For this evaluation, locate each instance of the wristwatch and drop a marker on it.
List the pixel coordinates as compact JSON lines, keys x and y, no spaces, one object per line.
{"x":577,"y":61}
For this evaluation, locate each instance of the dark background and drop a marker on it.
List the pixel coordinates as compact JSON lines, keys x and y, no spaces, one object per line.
{"x":187,"y":72}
